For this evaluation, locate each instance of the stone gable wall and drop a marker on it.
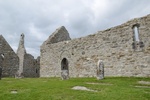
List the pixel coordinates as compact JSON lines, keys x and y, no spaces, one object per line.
{"x":115,"y":46}
{"x":10,"y":64}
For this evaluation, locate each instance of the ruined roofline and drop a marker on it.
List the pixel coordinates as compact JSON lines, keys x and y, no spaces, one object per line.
{"x":1,"y":37}
{"x":59,"y":35}
{"x":108,"y":29}
{"x":21,"y":47}
{"x":58,"y":29}
{"x":122,"y":24}
{"x":115,"y":27}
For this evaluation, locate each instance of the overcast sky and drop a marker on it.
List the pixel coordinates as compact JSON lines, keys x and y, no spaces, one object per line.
{"x":37,"y":19}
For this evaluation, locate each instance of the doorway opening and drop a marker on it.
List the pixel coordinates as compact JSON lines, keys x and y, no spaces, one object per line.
{"x":64,"y":69}
{"x":64,"y":64}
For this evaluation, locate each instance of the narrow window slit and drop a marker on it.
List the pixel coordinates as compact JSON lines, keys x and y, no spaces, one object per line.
{"x":136,"y":33}
{"x":137,"y":42}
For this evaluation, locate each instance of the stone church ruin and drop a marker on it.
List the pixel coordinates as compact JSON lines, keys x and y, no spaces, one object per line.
{"x":123,"y":50}
{"x":17,"y":65}
{"x":28,"y":66}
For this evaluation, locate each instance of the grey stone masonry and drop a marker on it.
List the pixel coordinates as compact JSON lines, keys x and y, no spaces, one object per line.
{"x":61,"y":34}
{"x":100,"y":70}
{"x":31,"y":66}
{"x":10,"y":62}
{"x":1,"y":60}
{"x":28,"y":66}
{"x":18,"y":65}
{"x":121,"y":52}
{"x":21,"y":53}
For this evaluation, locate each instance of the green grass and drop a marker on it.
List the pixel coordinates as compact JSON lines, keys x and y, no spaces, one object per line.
{"x":116,"y":88}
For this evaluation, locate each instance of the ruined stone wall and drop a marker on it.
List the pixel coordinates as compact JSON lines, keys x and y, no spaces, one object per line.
{"x":10,"y":63}
{"x":31,"y":66}
{"x":28,"y":66}
{"x":21,"y":63}
{"x":121,"y":54}
{"x":38,"y":66}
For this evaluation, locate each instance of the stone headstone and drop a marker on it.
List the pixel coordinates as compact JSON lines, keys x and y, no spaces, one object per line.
{"x":100,"y":70}
{"x":64,"y":74}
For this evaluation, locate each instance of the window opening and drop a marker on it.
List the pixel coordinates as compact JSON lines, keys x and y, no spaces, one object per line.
{"x":136,"y":33}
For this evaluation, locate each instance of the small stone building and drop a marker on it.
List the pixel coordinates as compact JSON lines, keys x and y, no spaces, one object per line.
{"x":124,"y":50}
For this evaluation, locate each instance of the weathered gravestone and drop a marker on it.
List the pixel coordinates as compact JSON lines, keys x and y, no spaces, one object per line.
{"x":100,"y":70}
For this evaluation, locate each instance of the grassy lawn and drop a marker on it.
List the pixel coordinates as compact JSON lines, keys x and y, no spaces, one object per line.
{"x":111,"y":88}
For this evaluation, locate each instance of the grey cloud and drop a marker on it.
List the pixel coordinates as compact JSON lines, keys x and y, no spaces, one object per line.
{"x":37,"y":19}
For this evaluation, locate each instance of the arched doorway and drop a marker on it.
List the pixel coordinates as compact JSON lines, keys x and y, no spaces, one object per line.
{"x":64,"y":64}
{"x":64,"y":69}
